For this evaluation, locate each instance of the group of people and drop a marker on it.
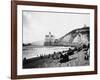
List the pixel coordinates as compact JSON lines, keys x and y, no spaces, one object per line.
{"x":63,"y":56}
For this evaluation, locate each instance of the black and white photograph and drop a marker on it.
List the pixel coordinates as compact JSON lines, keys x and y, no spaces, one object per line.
{"x":55,"y":39}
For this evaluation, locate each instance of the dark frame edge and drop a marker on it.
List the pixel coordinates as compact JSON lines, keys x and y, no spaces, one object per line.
{"x":13,"y":41}
{"x":96,"y":39}
{"x":56,"y":75}
{"x":52,"y":4}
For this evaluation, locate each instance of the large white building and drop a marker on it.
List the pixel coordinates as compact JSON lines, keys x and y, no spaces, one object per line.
{"x":49,"y":39}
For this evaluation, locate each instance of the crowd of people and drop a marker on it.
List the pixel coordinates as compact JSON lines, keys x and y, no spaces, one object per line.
{"x":63,"y":56}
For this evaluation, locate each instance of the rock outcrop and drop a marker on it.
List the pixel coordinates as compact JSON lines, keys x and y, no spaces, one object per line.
{"x":75,"y":37}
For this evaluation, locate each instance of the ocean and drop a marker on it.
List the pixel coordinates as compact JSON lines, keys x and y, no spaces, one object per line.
{"x":31,"y":51}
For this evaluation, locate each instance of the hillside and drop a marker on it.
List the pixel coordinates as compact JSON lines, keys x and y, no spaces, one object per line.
{"x":77,"y":36}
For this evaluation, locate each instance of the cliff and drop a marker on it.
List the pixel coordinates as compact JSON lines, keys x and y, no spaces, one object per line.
{"x":75,"y":37}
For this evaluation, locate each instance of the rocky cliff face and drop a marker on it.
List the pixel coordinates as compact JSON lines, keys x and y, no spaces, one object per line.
{"x":77,"y":36}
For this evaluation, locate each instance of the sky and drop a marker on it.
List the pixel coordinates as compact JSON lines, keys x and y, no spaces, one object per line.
{"x":38,"y":24}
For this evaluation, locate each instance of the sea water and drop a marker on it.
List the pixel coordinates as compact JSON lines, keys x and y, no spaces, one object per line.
{"x":31,"y":52}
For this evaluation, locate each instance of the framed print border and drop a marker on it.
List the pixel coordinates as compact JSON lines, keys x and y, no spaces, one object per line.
{"x":14,"y":38}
